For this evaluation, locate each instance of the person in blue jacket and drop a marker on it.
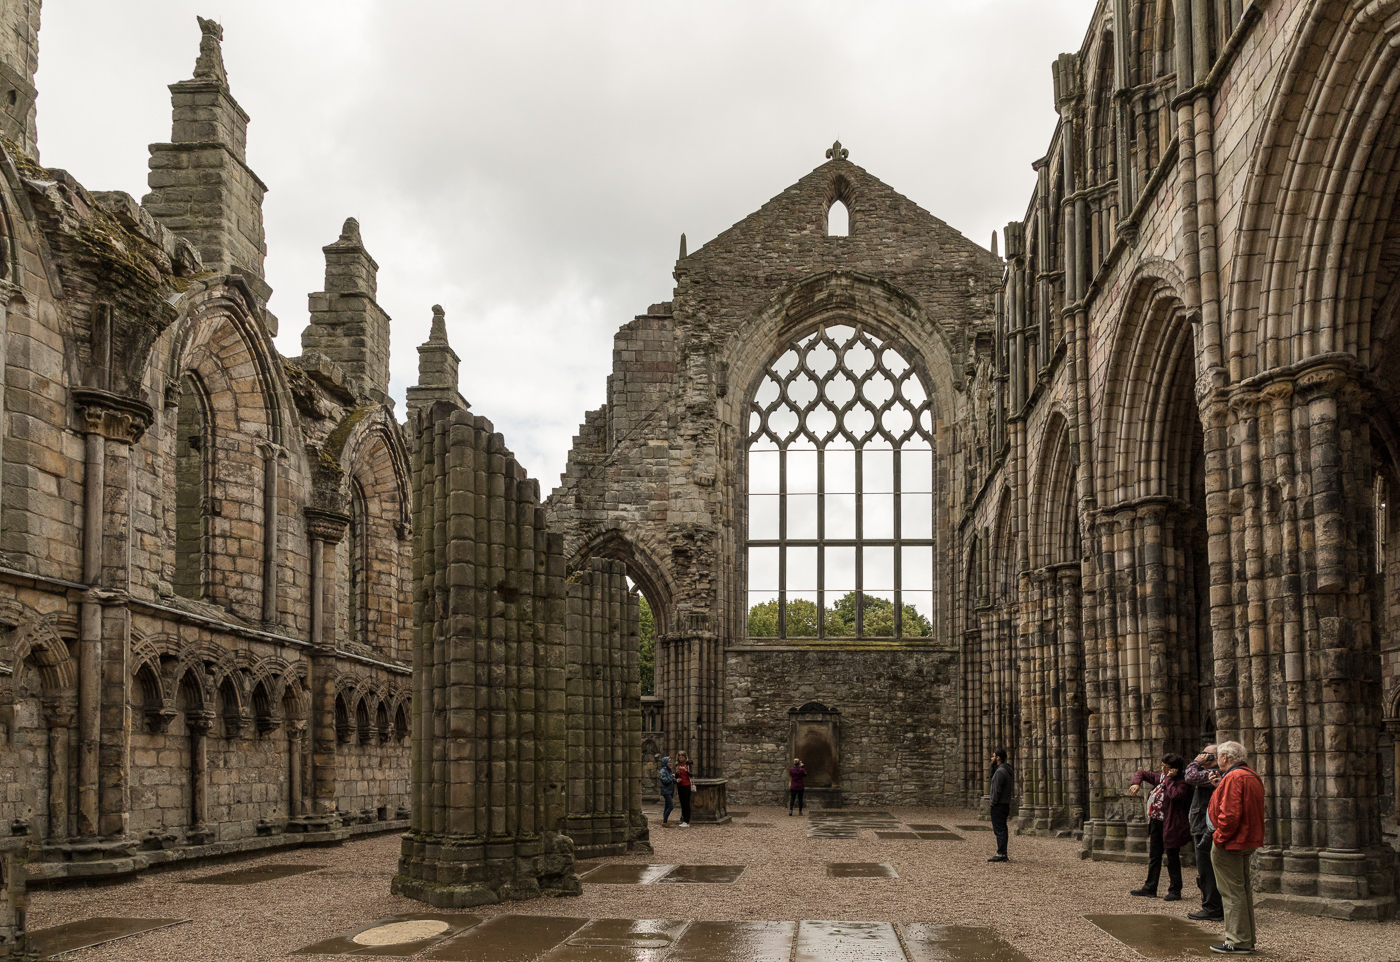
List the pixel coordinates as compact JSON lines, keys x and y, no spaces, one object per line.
{"x":667,"y":778}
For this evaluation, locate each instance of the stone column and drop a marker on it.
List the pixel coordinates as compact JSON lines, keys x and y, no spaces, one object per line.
{"x":325,"y":528}
{"x":270,"y":453}
{"x":197,"y":724}
{"x":59,"y":715}
{"x":296,"y":804}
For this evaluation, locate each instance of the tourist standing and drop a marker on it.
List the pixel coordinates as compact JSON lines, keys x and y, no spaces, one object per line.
{"x":1000,"y":798}
{"x":667,"y":778}
{"x":1198,"y":776}
{"x":1237,"y":813}
{"x":797,"y":783}
{"x":1168,"y":824}
{"x":683,"y":787}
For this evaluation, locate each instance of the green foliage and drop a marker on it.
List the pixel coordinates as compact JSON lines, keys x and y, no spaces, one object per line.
{"x":840,"y":619}
{"x":648,"y":633}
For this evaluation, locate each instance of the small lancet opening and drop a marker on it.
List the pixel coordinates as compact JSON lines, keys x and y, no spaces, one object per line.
{"x":838,"y":220}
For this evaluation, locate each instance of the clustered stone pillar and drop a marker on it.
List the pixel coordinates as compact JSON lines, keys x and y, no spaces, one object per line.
{"x":489,"y":778}
{"x":604,"y":705}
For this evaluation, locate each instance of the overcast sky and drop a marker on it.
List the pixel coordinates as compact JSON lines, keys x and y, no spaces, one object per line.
{"x":531,"y":165}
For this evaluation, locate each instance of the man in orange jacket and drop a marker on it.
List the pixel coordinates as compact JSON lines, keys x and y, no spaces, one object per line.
{"x":1237,"y":815}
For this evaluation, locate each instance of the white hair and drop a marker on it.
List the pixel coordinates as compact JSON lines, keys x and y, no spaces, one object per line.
{"x":1236,"y":752}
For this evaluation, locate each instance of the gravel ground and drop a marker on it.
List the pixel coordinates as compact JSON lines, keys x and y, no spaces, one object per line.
{"x":1036,"y":901}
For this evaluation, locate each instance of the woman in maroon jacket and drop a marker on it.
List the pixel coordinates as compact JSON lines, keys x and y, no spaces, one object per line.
{"x":1168,"y":823}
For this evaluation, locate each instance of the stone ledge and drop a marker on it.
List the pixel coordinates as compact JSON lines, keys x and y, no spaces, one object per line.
{"x":59,"y":874}
{"x":1351,"y":910}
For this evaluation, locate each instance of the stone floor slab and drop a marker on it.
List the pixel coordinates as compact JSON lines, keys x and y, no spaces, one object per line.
{"x":940,"y":836}
{"x":973,"y":828}
{"x":1159,"y":936}
{"x":957,"y":943}
{"x":618,"y":940}
{"x":507,"y":938}
{"x":847,"y":942}
{"x":627,"y":874}
{"x":861,"y":870}
{"x":346,"y":944}
{"x":928,"y":827}
{"x":72,"y":936}
{"x":897,"y":836}
{"x":715,"y":874}
{"x":253,"y":875}
{"x":735,"y":942}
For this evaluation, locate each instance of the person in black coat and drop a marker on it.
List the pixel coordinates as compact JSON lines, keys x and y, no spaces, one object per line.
{"x":1000,"y":797}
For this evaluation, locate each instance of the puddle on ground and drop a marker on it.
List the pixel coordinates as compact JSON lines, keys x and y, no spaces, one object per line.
{"x":940,"y":836}
{"x":735,"y":942}
{"x":71,"y":936}
{"x":957,"y":943}
{"x":847,"y":942}
{"x":626,"y":874}
{"x":717,"y":874}
{"x":896,"y":836}
{"x":848,"y":823}
{"x":861,"y":870}
{"x":399,"y":935}
{"x":618,"y":940}
{"x":507,"y":938}
{"x":253,"y":875}
{"x":757,"y":825}
{"x":1159,"y":936}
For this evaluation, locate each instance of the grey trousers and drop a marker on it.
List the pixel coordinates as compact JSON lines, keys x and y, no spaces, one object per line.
{"x":1232,"y":879}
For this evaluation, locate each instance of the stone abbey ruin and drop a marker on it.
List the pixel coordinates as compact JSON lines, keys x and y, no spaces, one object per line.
{"x":894,"y":500}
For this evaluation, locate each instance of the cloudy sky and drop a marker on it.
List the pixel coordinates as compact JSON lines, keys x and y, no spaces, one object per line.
{"x":531,"y":165}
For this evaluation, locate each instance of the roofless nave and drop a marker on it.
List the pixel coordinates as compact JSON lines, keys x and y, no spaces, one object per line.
{"x":893,"y":500}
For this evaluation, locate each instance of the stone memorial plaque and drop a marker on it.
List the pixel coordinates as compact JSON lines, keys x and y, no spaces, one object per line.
{"x":627,"y":874}
{"x":71,"y":936}
{"x":847,"y":942}
{"x":618,"y":940}
{"x":507,"y":938}
{"x":1159,"y":936}
{"x":735,"y":942}
{"x":253,"y":875}
{"x":718,"y":874}
{"x":861,"y":870}
{"x":957,"y":943}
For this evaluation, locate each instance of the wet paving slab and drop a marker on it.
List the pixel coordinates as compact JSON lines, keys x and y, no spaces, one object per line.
{"x":897,"y":836}
{"x":928,"y":827}
{"x":626,"y":874}
{"x":861,"y":870}
{"x":395,"y":936}
{"x":1160,"y":936}
{"x":757,"y":825}
{"x":847,"y":942}
{"x":71,"y":936}
{"x":618,"y":940}
{"x":253,"y":875}
{"x":735,"y":942}
{"x":940,"y":836}
{"x":957,"y":943}
{"x":507,"y":938}
{"x":713,"y":874}
{"x":973,"y":828}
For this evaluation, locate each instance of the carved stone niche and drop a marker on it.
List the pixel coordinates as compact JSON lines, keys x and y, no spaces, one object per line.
{"x":815,"y":738}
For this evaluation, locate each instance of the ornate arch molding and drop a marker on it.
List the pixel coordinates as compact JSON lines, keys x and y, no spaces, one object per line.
{"x":1324,"y":177}
{"x":34,"y":642}
{"x":1149,"y":344}
{"x":835,"y":297}
{"x":654,"y":580}
{"x":356,"y":435}
{"x":1054,"y":521}
{"x":208,"y":305}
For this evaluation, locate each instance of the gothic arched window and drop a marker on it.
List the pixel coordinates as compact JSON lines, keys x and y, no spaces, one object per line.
{"x":840,"y":492}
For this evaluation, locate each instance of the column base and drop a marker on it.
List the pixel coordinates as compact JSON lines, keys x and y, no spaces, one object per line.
{"x":454,"y":871}
{"x":1373,"y":909}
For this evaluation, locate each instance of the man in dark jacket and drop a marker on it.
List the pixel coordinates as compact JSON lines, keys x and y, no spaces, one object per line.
{"x":1000,"y":798}
{"x":1198,"y":776}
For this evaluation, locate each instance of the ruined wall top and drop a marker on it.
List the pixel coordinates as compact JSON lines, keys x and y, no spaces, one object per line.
{"x":19,"y":61}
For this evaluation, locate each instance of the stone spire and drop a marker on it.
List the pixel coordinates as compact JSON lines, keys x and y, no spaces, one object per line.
{"x":682,"y":257}
{"x":437,"y":368}
{"x":347,"y":324}
{"x":201,"y":186}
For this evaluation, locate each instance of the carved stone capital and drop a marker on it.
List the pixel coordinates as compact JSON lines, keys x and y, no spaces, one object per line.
{"x":59,"y":711}
{"x":199,"y":722}
{"x":327,"y":526}
{"x":1321,"y":382}
{"x":159,"y":719}
{"x":114,"y":416}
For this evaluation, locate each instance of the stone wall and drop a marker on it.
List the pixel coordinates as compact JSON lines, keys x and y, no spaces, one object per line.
{"x":898,"y":737}
{"x":178,"y":504}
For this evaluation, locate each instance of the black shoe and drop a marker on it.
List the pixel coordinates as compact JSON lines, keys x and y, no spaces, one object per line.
{"x":1172,"y":897}
{"x":789,"y":813}
{"x":998,"y":858}
{"x":1206,"y":915}
{"x":1145,"y":892}
{"x":1226,"y":948}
